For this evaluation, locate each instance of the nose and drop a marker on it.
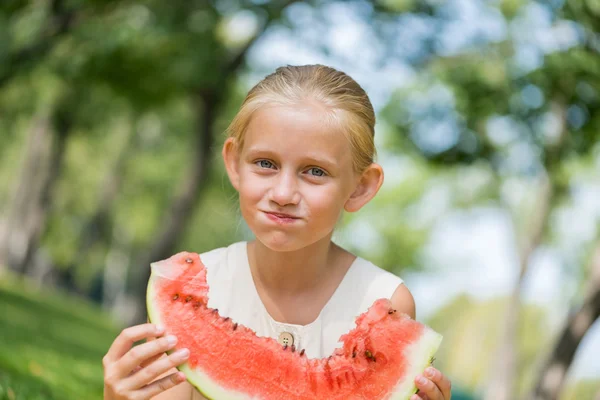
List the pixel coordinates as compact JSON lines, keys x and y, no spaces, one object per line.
{"x":285,"y":189}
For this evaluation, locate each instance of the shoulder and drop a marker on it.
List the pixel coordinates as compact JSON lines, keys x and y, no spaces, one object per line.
{"x":384,"y":283}
{"x":402,"y":300}
{"x":392,"y":287}
{"x":381,"y":283}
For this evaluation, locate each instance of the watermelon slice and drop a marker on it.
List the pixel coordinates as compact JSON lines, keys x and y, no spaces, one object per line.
{"x":379,"y":358}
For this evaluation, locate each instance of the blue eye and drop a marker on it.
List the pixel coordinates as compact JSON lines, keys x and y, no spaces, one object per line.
{"x":317,"y":172}
{"x":265,"y":164}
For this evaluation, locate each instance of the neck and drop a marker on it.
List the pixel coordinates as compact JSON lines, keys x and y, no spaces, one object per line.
{"x":291,"y":272}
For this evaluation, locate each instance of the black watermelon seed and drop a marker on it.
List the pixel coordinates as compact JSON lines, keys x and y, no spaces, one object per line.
{"x":302,"y":352}
{"x":188,"y":299}
{"x":235,"y":326}
{"x":285,"y":347}
{"x":176,"y":296}
{"x":189,"y":260}
{"x":293,"y":348}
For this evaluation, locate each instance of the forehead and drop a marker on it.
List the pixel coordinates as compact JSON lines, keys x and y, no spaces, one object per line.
{"x":296,"y":130}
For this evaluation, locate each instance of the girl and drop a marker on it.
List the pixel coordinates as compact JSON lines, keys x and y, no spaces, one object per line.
{"x":300,"y":152}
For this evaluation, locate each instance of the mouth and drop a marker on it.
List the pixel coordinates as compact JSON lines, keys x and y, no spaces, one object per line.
{"x":281,"y":217}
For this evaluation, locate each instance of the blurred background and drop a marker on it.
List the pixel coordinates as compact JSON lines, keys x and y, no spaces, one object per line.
{"x":111,"y":121}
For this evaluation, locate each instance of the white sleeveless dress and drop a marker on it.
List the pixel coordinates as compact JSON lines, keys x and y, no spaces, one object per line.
{"x":232,"y":291}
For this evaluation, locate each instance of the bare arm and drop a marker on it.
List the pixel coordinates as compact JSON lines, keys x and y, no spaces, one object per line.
{"x":403,"y":301}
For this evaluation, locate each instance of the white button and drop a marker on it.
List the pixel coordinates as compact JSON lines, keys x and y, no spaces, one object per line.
{"x":286,"y":338}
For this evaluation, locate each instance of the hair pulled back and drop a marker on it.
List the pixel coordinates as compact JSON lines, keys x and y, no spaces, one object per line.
{"x":347,"y":105}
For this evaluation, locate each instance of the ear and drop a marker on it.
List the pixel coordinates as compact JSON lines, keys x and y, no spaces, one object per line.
{"x":231,"y":158}
{"x":367,"y":187}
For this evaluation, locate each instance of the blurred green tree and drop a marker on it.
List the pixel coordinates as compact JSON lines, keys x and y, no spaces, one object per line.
{"x":529,"y":124}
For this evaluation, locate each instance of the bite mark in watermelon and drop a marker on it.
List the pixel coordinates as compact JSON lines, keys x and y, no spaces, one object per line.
{"x":379,"y":358}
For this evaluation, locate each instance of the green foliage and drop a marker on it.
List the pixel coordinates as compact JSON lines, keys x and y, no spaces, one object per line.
{"x":51,"y":345}
{"x":587,"y":389}
{"x":125,"y":77}
{"x":471,"y":332}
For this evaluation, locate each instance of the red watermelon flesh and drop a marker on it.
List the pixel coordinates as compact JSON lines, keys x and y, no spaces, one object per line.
{"x":379,"y":358}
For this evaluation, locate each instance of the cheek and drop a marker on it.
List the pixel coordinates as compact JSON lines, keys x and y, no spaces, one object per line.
{"x":251,"y":189}
{"x":325,"y":202}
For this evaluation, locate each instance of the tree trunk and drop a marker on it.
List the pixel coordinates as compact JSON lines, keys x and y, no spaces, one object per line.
{"x":501,"y":385}
{"x":27,"y":208}
{"x":552,"y":376}
{"x":118,"y":260}
{"x":99,"y":226}
{"x":41,"y":209}
{"x":12,"y":241}
{"x":179,"y":213}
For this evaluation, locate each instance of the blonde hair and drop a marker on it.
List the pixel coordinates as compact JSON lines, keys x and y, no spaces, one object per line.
{"x":348,"y":105}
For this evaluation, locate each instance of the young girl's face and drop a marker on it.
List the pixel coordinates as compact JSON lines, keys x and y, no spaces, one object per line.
{"x":294,"y":176}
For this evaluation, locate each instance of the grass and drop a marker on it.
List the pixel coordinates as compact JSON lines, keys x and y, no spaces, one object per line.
{"x":51,"y":345}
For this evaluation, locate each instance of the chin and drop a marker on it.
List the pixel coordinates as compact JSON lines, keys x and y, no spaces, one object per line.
{"x":276,"y":242}
{"x":280,"y":241}
{"x":284,"y":242}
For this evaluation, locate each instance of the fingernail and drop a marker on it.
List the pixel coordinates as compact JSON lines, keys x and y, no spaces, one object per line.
{"x":421,"y":380}
{"x":159,"y":329}
{"x":171,"y":340}
{"x":183,"y":353}
{"x":429,"y":372}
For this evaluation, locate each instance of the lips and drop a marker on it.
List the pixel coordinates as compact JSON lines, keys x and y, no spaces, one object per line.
{"x":281,"y":215}
{"x":282,"y":219}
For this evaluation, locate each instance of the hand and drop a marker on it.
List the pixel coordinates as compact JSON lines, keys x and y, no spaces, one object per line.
{"x":129,"y":372}
{"x":435,"y":387}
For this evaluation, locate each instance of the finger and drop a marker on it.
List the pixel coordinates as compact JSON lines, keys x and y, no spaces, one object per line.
{"x":147,"y":362}
{"x":162,"y":384}
{"x":419,"y":396}
{"x":154,"y":370}
{"x":440,"y":380}
{"x":151,"y":360}
{"x":141,"y":354}
{"x":428,"y":388}
{"x":128,"y":337}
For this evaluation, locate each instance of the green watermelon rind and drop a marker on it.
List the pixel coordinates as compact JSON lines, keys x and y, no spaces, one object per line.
{"x":198,"y":379}
{"x":428,"y":344}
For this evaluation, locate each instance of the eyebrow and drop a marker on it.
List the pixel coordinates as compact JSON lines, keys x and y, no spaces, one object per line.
{"x":327,"y":162}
